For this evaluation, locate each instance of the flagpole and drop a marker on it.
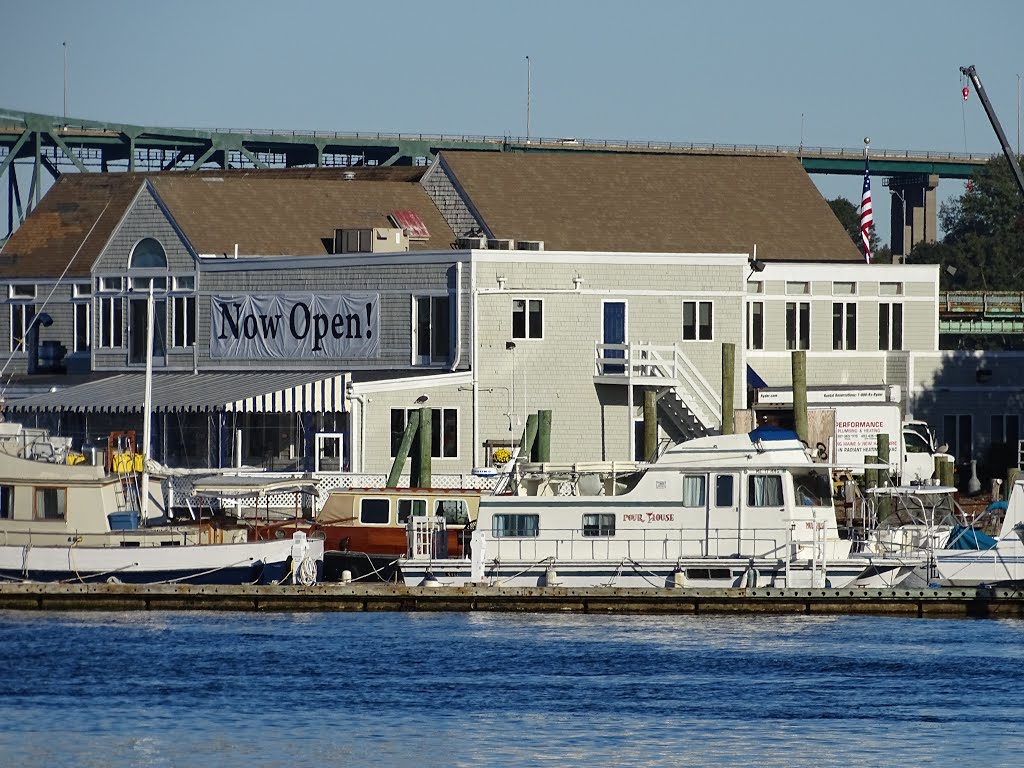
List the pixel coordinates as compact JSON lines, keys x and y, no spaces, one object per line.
{"x":866,"y":212}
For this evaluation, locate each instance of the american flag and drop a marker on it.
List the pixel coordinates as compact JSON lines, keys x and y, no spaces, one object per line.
{"x":866,"y":217}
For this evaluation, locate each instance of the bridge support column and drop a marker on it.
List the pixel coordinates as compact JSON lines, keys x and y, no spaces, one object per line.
{"x":914,"y":212}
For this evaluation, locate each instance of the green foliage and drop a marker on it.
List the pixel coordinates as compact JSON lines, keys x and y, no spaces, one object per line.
{"x":984,"y":239}
{"x":849,"y":216}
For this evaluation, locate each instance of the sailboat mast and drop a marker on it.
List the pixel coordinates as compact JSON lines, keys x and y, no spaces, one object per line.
{"x":147,"y":408}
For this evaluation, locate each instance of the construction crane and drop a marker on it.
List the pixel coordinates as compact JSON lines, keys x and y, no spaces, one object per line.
{"x":1011,"y":158}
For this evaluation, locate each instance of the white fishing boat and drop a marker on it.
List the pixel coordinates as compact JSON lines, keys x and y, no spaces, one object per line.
{"x":722,"y":511}
{"x":970,"y":558}
{"x":64,"y":522}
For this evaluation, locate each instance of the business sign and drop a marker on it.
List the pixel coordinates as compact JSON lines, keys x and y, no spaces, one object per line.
{"x":295,"y":326}
{"x":883,"y":393}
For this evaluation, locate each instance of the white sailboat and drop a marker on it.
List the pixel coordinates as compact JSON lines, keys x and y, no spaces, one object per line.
{"x":83,"y":523}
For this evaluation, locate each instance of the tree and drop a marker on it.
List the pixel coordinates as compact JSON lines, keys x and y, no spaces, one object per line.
{"x":849,"y":216}
{"x":984,"y":241}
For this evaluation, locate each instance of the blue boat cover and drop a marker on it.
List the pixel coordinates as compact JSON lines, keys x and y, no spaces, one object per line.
{"x":771,"y":432}
{"x":963,"y":537}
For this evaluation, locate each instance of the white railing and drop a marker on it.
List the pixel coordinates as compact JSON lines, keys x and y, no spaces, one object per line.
{"x":427,"y":539}
{"x":660,"y":364}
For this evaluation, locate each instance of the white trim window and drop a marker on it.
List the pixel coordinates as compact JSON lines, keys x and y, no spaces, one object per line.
{"x":890,"y":326}
{"x":21,"y":319}
{"x":183,"y":329}
{"x":527,"y":318}
{"x":798,"y":325}
{"x":432,"y":329}
{"x":21,"y":292}
{"x":697,"y":321}
{"x":110,"y":322}
{"x":958,"y":434}
{"x":83,"y":329}
{"x":844,"y":325}
{"x":755,"y":325}
{"x":444,"y":431}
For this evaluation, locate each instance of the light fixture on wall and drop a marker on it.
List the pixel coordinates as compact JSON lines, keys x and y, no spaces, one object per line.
{"x":421,"y":399}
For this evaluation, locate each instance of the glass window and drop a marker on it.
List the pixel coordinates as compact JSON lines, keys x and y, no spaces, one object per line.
{"x":505,"y":526}
{"x":50,"y":503}
{"x":723,"y":491}
{"x":1006,"y":429}
{"x":411,"y":507}
{"x":6,"y":502}
{"x":844,"y":289}
{"x":22,"y":291}
{"x":813,"y":488}
{"x":890,"y":326}
{"x":527,"y":319}
{"x":844,"y":325}
{"x":454,"y":511}
{"x":110,"y":284}
{"x":697,"y":321}
{"x":143,"y":283}
{"x":599,"y":525}
{"x":798,"y":288}
{"x":111,"y":323}
{"x":184,"y":283}
{"x":798,"y":325}
{"x":21,"y":320}
{"x":433,"y":329}
{"x":374,"y":511}
{"x":755,"y":325}
{"x":184,"y":328}
{"x":81,"y":290}
{"x":765,"y":491}
{"x":890,"y":289}
{"x":694,"y":490}
{"x":148,"y":254}
{"x":444,"y":431}
{"x":957,"y":431}
{"x":82,"y":327}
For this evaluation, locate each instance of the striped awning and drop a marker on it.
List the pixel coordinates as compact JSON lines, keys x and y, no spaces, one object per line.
{"x":257,"y":392}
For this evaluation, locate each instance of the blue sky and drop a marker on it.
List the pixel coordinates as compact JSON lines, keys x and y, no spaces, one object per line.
{"x":735,"y":72}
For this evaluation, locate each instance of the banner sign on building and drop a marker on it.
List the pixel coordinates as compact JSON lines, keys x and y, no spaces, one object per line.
{"x":295,"y":326}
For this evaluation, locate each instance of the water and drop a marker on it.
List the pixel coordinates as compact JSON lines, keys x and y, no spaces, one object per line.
{"x":243,"y":689}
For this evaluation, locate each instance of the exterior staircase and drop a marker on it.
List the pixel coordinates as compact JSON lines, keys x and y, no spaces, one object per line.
{"x":688,"y":406}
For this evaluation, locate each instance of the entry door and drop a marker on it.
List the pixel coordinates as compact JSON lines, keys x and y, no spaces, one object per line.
{"x":330,"y":451}
{"x":724,"y":534}
{"x":614,"y":333}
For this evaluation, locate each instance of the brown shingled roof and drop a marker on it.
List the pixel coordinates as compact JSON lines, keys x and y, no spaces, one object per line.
{"x":51,"y":235}
{"x":654,"y":203}
{"x":269,"y":215}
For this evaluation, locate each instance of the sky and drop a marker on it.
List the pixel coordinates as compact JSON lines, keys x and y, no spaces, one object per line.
{"x":785,"y":72}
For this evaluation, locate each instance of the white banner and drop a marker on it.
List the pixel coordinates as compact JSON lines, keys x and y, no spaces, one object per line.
{"x":295,"y":326}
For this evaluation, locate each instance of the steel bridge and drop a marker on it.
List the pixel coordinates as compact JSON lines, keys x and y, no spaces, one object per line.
{"x":35,"y":149}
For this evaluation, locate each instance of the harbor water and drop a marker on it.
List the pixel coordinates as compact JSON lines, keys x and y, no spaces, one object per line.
{"x":458,"y":689}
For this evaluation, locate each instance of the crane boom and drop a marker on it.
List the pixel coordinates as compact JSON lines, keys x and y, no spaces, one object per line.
{"x":1011,"y":158}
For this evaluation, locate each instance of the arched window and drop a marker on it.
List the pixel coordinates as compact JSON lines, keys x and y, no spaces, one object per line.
{"x":148,"y":253}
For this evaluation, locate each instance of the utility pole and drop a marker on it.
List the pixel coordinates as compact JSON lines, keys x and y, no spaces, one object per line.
{"x":529,"y":86}
{"x":65,"y":45}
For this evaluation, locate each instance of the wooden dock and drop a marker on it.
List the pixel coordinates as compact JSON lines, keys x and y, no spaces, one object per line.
{"x":967,"y":602}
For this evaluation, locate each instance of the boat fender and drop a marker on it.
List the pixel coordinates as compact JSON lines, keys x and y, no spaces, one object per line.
{"x":551,"y":577}
{"x":430,"y":581}
{"x":677,"y":579}
{"x":346,"y":577}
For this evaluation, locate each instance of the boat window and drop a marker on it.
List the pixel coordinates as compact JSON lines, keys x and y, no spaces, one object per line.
{"x":723,"y":491}
{"x":453,"y":510}
{"x":504,"y":526}
{"x":50,"y":503}
{"x":411,"y":507}
{"x":813,"y":489}
{"x":6,"y":502}
{"x":374,"y":511}
{"x":765,"y":491}
{"x":599,"y":525}
{"x":694,"y":490}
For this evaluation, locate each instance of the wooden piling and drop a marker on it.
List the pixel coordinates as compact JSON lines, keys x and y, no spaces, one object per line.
{"x":650,"y":424}
{"x":529,"y":438}
{"x":799,"y":364}
{"x":544,"y":436}
{"x":425,"y":438}
{"x":398,"y":464}
{"x":728,"y":387}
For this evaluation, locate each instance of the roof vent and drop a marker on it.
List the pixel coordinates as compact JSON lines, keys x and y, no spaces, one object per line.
{"x":499,"y":244}
{"x":349,"y":176}
{"x":466,"y":243}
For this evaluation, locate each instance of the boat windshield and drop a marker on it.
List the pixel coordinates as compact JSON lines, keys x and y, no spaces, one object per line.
{"x":813,"y":489}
